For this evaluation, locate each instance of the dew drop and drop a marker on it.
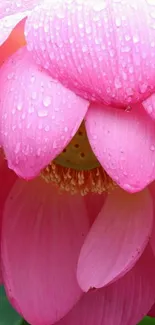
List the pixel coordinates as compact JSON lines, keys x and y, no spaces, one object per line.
{"x":99,"y":5}
{"x":128,"y":187}
{"x":151,"y":2}
{"x":19,"y":106}
{"x":47,"y":128}
{"x":84,"y":48}
{"x":71,"y":40}
{"x":152,"y":14}
{"x":10,"y":75}
{"x":54,"y":145}
{"x":38,"y":152}
{"x":152,"y":148}
{"x":127,"y":37}
{"x":32,"y":79}
{"x":135,"y":39}
{"x":60,"y":14}
{"x":143,"y":88}
{"x":17,"y":148}
{"x":34,"y":95}
{"x":128,"y":109}
{"x":47,"y":101}
{"x":118,"y":22}
{"x":23,"y":116}
{"x":43,"y":113}
{"x":117,"y":83}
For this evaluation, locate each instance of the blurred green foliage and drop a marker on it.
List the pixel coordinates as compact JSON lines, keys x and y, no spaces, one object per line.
{"x":148,"y":321}
{"x":8,"y":316}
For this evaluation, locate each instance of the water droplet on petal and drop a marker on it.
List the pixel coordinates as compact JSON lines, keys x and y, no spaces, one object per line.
{"x":42,"y":113}
{"x":47,"y":128}
{"x":17,"y":148}
{"x":152,"y":148}
{"x":99,"y":5}
{"x":19,"y":106}
{"x":34,"y":95}
{"x":10,"y":75}
{"x":47,"y":101}
{"x":143,"y":88}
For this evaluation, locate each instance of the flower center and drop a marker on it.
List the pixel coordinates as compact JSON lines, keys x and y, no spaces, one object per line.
{"x":78,"y":154}
{"x":77,"y":169}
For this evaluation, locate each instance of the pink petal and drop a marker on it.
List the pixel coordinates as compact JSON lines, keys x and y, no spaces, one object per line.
{"x":42,"y":234}
{"x":1,"y":278}
{"x":152,"y":311}
{"x":116,"y":239}
{"x":13,"y":43}
{"x":8,"y":23}
{"x":149,"y":105}
{"x":105,"y":52}
{"x":94,"y":203}
{"x":125,"y":302}
{"x":8,"y":7}
{"x":11,"y":13}
{"x":152,"y":239}
{"x":7,"y":179}
{"x":39,"y":115}
{"x":124,"y":143}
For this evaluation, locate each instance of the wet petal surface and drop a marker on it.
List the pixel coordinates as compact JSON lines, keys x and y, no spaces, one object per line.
{"x":104,"y":50}
{"x":11,"y":13}
{"x":124,"y":143}
{"x":9,"y":7}
{"x":8,"y":23}
{"x":39,"y":115}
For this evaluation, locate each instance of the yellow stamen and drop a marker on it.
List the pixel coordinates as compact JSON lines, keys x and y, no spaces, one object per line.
{"x":77,"y":169}
{"x":83,"y":181}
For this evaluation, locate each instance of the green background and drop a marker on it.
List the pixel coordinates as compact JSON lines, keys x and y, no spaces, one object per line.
{"x":9,"y":317}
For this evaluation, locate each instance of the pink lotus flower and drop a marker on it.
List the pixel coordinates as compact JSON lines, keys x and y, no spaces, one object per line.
{"x":75,"y":259}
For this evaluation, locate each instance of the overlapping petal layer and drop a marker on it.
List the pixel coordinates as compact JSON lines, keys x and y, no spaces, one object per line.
{"x":124,"y":143}
{"x":9,"y":7}
{"x":152,"y":311}
{"x":7,"y":24}
{"x":38,"y":115}
{"x":152,"y":239}
{"x":42,"y":234}
{"x":13,"y":42}
{"x":116,"y":240}
{"x":7,"y":179}
{"x":102,"y":49}
{"x":11,"y":13}
{"x":125,"y":302}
